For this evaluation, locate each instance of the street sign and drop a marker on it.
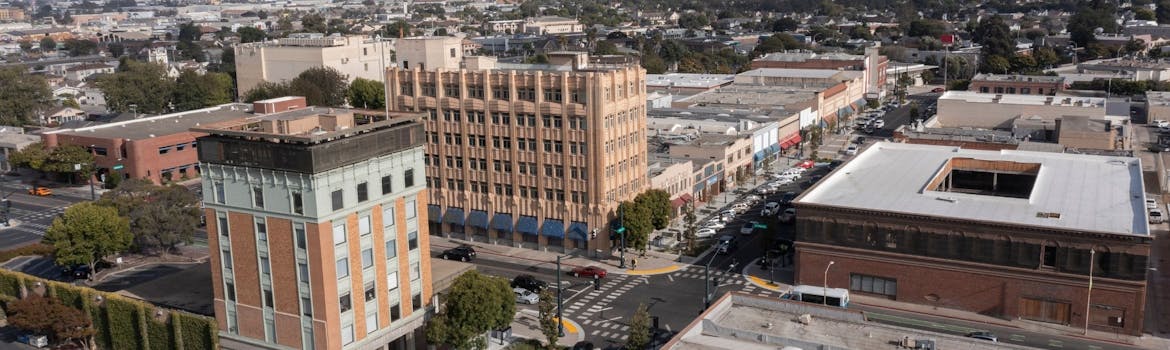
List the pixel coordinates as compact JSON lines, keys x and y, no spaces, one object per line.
{"x":761,"y":226}
{"x":118,"y":167}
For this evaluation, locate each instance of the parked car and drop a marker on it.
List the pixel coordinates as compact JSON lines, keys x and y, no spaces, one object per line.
{"x":530,"y":283}
{"x":860,"y":140}
{"x":770,"y":209}
{"x":878,"y":124}
{"x":788,"y":216}
{"x":835,"y":163}
{"x":38,"y":341}
{"x":806,"y":164}
{"x":787,"y":198}
{"x":748,"y":228}
{"x":524,"y":296}
{"x":714,"y":224}
{"x":584,"y":345}
{"x":938,"y":89}
{"x":851,"y":151}
{"x":984,"y":335}
{"x":705,"y":232}
{"x":1151,"y":203}
{"x":794,"y":170}
{"x":728,"y":213}
{"x":1156,"y":216}
{"x":1160,"y":123}
{"x":589,"y":271}
{"x":40,"y":191}
{"x":726,"y":244}
{"x":462,"y":253}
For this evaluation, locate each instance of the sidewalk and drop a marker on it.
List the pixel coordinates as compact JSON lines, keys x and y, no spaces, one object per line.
{"x":652,"y":263}
{"x":526,"y":325}
{"x":760,"y":278}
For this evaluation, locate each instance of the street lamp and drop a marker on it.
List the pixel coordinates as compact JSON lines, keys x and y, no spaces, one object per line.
{"x":825,"y":287}
{"x":707,"y":283}
{"x":1089,"y":295}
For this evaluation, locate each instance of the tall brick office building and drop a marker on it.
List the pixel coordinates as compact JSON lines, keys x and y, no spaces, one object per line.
{"x":317,"y":228}
{"x":1009,"y":234}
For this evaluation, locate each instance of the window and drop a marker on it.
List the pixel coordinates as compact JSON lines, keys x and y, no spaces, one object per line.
{"x":347,"y":333}
{"x":371,"y":323}
{"x":362,"y":192}
{"x":391,"y":248}
{"x":392,"y":281}
{"x":257,"y":196}
{"x":227,"y":259}
{"x":408,"y":178}
{"x":395,"y":312}
{"x":337,"y":200}
{"x":416,"y":302}
{"x":265,"y":267}
{"x":451,"y":90}
{"x":552,"y":95}
{"x":371,"y":293}
{"x":339,"y":232}
{"x":303,"y":272}
{"x":298,"y":202}
{"x":387,"y":186}
{"x":364,"y":225}
{"x":229,"y":291}
{"x":411,"y":210}
{"x":387,"y":214}
{"x":306,"y":306}
{"x":299,"y":232}
{"x":345,"y":302}
{"x":267,"y":298}
{"x":415,"y":271}
{"x":223,"y":226}
{"x":342,"y":268}
{"x":261,"y":230}
{"x":367,"y":258}
{"x":501,"y":93}
{"x":219,"y":192}
{"x":526,"y":94}
{"x":874,"y":285}
{"x":1049,"y":255}
{"x":412,"y":240}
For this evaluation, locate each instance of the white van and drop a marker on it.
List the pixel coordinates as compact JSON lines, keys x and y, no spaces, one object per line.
{"x":770,"y":208}
{"x":1156,"y":216}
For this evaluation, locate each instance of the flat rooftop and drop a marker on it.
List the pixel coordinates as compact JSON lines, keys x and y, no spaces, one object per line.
{"x":740,"y":321}
{"x":688,"y":80}
{"x":742,"y":95}
{"x":166,"y":124}
{"x":1067,"y":191}
{"x":802,"y":56}
{"x":792,"y":73}
{"x":1017,"y":78}
{"x":1158,"y":98}
{"x":1030,"y":100}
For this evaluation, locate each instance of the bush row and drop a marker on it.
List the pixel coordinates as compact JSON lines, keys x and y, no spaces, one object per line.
{"x":122,"y":323}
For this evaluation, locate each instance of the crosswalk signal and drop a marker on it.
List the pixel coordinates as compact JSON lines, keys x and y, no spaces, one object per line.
{"x":596,"y":283}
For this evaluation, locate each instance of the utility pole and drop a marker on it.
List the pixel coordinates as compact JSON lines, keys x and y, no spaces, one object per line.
{"x":707,"y":283}
{"x":560,"y":299}
{"x":1089,"y":295}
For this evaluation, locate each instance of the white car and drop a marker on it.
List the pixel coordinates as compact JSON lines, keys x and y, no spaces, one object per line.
{"x":524,"y":296}
{"x":878,"y":124}
{"x":740,"y":207}
{"x":747,"y":228}
{"x":1161,"y":123}
{"x":770,"y":208}
{"x":705,"y":232}
{"x":1151,"y":203}
{"x":793,"y":170}
{"x":851,"y":151}
{"x":1156,"y":216}
{"x":714,"y":225}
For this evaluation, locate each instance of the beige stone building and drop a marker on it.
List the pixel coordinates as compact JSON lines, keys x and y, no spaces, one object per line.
{"x":552,"y":25}
{"x":675,"y":177}
{"x":997,"y":111}
{"x":284,"y":59}
{"x":537,"y":156}
{"x":1157,"y":106}
{"x":732,"y":154}
{"x":317,"y":228}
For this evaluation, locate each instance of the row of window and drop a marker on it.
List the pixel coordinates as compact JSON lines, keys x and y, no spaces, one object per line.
{"x":624,"y":141}
{"x":163,"y":149}
{"x":337,"y":197}
{"x":347,"y":330}
{"x":622,"y":117}
{"x":504,"y":118}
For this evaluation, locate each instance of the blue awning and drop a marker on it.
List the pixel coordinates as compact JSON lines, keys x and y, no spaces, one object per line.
{"x":774,"y":148}
{"x":526,"y":225}
{"x":758,"y":156}
{"x":434,"y":213}
{"x":478,"y":218}
{"x":553,"y":229}
{"x":502,"y":222}
{"x":578,"y":231}
{"x":454,"y":216}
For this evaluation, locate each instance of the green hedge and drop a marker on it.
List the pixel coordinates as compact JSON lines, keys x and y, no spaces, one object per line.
{"x":123,"y":317}
{"x":122,"y":323}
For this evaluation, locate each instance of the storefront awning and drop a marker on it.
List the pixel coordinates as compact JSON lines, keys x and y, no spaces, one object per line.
{"x":526,"y":225}
{"x":502,"y":222}
{"x":774,"y":148}
{"x":578,"y":231}
{"x":553,"y":229}
{"x":454,"y":216}
{"x":758,"y":156}
{"x":680,"y":201}
{"x":434,"y":213}
{"x":478,"y":218}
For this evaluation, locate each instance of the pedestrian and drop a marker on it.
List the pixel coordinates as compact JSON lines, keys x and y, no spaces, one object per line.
{"x":634,"y":262}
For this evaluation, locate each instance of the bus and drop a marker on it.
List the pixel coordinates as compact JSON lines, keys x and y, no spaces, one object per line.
{"x":817,"y":295}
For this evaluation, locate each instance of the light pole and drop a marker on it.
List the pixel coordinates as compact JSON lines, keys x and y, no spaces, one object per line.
{"x":1089,"y":295}
{"x":560,"y":300}
{"x":825,"y":287}
{"x":707,"y":283}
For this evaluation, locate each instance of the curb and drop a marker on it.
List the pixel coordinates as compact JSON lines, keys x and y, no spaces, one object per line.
{"x":658,"y":271}
{"x":759,"y":282}
{"x":571,"y":327}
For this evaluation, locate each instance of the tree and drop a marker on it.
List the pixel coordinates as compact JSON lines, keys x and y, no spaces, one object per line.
{"x":48,"y":316}
{"x":397,"y":29}
{"x":32,"y":156}
{"x":191,"y":51}
{"x":79,"y":47}
{"x":995,"y":37}
{"x":250,"y":35}
{"x":639,"y":335}
{"x":1144,"y":14}
{"x":314,"y":23}
{"x":22,"y":96}
{"x":26,"y":46}
{"x":653,"y":64}
{"x":785,"y":24}
{"x":63,"y":159}
{"x":996,"y":64}
{"x":161,"y":217}
{"x":267,"y":90}
{"x":137,"y":83}
{"x":321,"y":86}
{"x":638,"y":223}
{"x":367,"y":94}
{"x":1089,"y":16}
{"x":1162,"y":11}
{"x":776,"y":43}
{"x":694,"y":20}
{"x":605,"y":47}
{"x":48,"y":44}
{"x":657,"y":202}
{"x":189,"y":32}
{"x":691,"y":222}
{"x":549,"y":324}
{"x":475,"y":304}
{"x":86,"y":233}
{"x":1046,"y":57}
{"x":195,"y":91}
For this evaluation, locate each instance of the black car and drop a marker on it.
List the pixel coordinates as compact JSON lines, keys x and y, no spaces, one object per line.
{"x":584,"y":345}
{"x":835,"y":163}
{"x":530,"y":283}
{"x":786,"y":199}
{"x":462,"y":253}
{"x":859,"y":140}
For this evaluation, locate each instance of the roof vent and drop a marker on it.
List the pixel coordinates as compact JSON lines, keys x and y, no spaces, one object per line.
{"x":1047,"y":215}
{"x":947,"y":199}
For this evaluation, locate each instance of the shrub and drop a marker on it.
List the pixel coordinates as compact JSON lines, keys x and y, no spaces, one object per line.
{"x":159,"y":335}
{"x":123,"y":318}
{"x":198,"y":332}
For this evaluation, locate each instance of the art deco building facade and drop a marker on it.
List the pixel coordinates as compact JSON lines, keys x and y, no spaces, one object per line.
{"x":527,"y":155}
{"x":317,"y":228}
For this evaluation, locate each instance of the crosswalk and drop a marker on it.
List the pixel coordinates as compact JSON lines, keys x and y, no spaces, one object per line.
{"x":727,"y":280}
{"x":34,"y":222}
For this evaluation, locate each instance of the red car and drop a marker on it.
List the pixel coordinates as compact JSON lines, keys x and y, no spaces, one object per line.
{"x":807,"y":164}
{"x":938,"y":89}
{"x":588,"y":271}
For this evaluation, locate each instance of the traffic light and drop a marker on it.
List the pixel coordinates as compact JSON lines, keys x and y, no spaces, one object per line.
{"x":715,"y":281}
{"x":596,"y":283}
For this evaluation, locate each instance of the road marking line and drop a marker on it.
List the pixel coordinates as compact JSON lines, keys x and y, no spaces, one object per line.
{"x":667,"y":269}
{"x":613,"y":319}
{"x":671,"y":277}
{"x":668,"y":328}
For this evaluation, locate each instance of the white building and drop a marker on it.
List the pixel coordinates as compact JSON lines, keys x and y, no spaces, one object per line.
{"x":284,"y":59}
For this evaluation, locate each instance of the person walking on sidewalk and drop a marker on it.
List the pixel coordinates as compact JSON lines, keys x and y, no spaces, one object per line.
{"x":634,"y":263}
